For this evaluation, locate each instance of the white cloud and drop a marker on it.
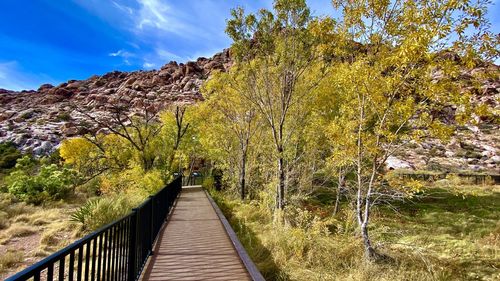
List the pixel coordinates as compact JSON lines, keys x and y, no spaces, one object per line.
{"x":148,"y":65}
{"x":5,"y":68}
{"x":159,"y":15}
{"x":10,"y":77}
{"x":124,"y":55}
{"x":121,"y":53}
{"x":167,"y":55}
{"x":206,"y":54}
{"x":124,"y":8}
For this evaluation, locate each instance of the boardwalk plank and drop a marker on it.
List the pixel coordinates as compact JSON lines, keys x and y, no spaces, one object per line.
{"x":194,"y":245}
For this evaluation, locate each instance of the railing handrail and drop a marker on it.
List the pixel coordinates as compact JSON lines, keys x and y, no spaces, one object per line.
{"x":57,"y":255}
{"x":167,"y":195}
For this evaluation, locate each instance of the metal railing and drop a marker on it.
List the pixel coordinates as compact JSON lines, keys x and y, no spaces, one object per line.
{"x":118,"y":251}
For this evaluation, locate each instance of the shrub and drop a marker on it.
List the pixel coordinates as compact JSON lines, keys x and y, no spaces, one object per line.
{"x":133,"y":179}
{"x":20,"y":230}
{"x":63,"y":116}
{"x":208,"y":183}
{"x":8,"y":155}
{"x":85,"y":211}
{"x":4,"y":220}
{"x":98,"y":212}
{"x":50,"y":183}
{"x":58,"y":235}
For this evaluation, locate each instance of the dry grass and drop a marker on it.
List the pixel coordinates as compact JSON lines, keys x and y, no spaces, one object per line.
{"x":58,"y":235}
{"x":32,"y":232}
{"x":10,"y":259}
{"x":453,"y":236}
{"x":20,"y":230}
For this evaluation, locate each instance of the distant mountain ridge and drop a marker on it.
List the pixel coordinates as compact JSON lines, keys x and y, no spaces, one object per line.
{"x":38,"y":120}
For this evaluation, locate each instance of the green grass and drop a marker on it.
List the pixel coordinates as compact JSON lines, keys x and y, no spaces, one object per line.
{"x":450,"y":234}
{"x":458,"y":232}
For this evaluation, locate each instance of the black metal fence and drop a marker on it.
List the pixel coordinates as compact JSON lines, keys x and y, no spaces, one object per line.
{"x":118,"y":251}
{"x":195,"y":178}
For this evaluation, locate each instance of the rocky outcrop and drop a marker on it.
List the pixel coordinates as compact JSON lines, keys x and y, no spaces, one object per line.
{"x":472,"y":147}
{"x":38,"y":120}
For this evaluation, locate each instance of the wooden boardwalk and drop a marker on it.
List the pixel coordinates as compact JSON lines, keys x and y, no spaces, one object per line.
{"x":195,"y":245}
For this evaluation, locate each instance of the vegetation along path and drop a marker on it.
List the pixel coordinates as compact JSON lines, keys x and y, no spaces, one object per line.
{"x":196,"y":245}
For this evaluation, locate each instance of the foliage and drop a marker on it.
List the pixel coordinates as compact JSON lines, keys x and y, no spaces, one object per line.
{"x":85,"y":211}
{"x":208,"y":183}
{"x":334,"y":98}
{"x":8,"y":155}
{"x":10,"y":259}
{"x":226,"y":109}
{"x":45,"y":229}
{"x":99,"y":212}
{"x":276,"y":74}
{"x":50,"y":182}
{"x":134,"y":179}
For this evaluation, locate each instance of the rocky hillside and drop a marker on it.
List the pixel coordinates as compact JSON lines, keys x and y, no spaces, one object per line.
{"x":38,"y":120}
{"x":473,"y":148}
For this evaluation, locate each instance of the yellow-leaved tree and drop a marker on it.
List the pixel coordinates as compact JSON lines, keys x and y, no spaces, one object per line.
{"x":231,"y":124}
{"x":276,"y":49}
{"x":390,"y":92}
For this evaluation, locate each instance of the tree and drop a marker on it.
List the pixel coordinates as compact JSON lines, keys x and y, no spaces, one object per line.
{"x":176,"y":121}
{"x":8,"y":155}
{"x":228,"y":110}
{"x":390,"y":93}
{"x":106,"y":153}
{"x":277,"y":50}
{"x":134,"y":120}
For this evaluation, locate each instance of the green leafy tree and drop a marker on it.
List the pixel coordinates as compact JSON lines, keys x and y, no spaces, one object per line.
{"x":8,"y":155}
{"x":177,"y":130}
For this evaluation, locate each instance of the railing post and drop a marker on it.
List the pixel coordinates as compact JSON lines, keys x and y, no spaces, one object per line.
{"x":152,"y":228}
{"x":132,"y":253}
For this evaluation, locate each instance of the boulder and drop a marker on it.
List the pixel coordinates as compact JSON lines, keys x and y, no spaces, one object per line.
{"x":45,"y":87}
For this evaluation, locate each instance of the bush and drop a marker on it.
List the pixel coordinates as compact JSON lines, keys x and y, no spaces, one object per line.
{"x":8,"y":155}
{"x":10,"y":259}
{"x":63,"y":116}
{"x":208,"y":183}
{"x":50,"y":183}
{"x":98,"y":212}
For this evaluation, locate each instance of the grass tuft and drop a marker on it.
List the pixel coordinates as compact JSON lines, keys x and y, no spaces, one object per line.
{"x":10,"y":259}
{"x":19,"y":230}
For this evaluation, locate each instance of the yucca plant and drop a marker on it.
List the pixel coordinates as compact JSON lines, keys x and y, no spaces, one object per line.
{"x":83,"y":213}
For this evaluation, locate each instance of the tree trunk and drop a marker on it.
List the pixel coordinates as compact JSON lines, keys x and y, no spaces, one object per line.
{"x":147,"y":162}
{"x":370,"y":252}
{"x":340,"y":185}
{"x":243,"y":175}
{"x":364,"y":214}
{"x":281,"y":184}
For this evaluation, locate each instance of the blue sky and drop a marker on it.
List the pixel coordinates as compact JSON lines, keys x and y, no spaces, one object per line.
{"x":52,"y":41}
